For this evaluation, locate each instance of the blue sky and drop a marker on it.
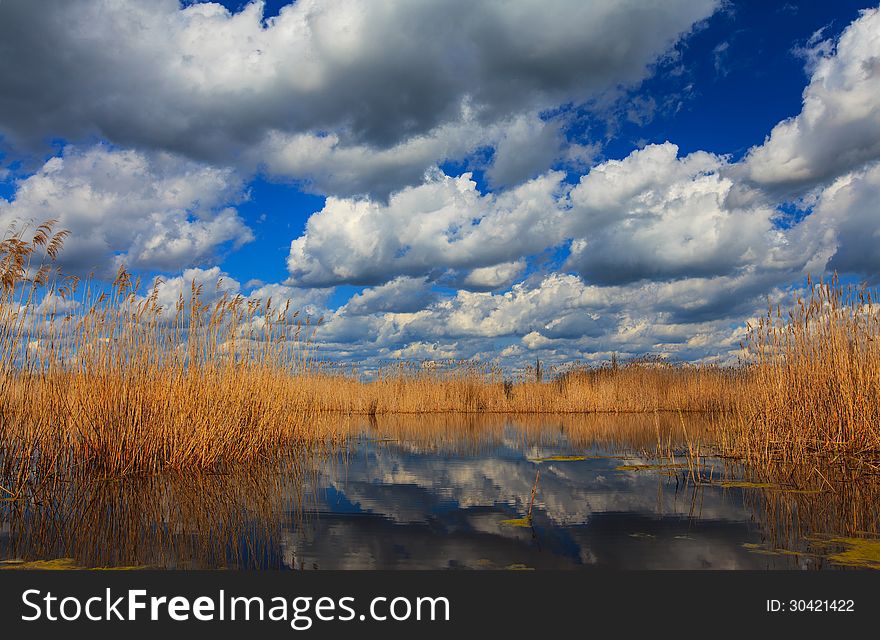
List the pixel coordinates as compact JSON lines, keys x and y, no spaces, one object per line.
{"x":500,"y":181}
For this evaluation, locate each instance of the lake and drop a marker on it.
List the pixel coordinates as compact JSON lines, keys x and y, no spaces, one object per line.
{"x":453,"y":492}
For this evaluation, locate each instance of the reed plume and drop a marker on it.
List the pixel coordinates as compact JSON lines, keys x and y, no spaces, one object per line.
{"x":816,"y":370}
{"x":109,"y":380}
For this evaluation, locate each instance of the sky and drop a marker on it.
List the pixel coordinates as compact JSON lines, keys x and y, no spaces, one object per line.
{"x":501,"y":181}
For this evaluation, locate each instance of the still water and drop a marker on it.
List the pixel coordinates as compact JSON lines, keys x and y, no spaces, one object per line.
{"x":443,"y":493}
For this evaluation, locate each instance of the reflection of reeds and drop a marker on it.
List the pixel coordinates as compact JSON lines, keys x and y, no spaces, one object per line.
{"x":169,"y":521}
{"x":454,"y":433}
{"x":806,"y":510}
{"x":247,"y":518}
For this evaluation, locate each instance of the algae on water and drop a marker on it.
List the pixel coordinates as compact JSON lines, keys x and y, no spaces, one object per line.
{"x":518,"y":522}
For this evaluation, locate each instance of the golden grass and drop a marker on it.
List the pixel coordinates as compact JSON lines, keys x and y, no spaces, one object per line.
{"x":468,"y":388}
{"x":816,"y":382}
{"x":113,"y":383}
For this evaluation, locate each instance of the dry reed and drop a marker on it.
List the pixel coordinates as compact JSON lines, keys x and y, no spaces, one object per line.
{"x":816,"y":373}
{"x":112,"y":382}
{"x":468,"y":388}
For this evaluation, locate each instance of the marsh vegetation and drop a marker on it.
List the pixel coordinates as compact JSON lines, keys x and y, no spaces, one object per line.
{"x":101,"y":384}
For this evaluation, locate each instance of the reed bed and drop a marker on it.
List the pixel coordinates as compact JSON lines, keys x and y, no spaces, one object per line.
{"x":816,"y":373}
{"x":479,"y":433}
{"x":636,"y":387}
{"x":112,"y":381}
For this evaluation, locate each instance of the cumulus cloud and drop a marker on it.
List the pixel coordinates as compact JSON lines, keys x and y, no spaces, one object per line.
{"x":200,"y":80}
{"x":844,"y":225}
{"x":312,"y":302}
{"x":400,"y":295}
{"x":659,"y":262}
{"x":150,"y":211}
{"x":214,"y":283}
{"x":496,"y":276}
{"x":443,"y":223}
{"x":526,"y":149}
{"x":650,"y":215}
{"x":655,"y":215}
{"x":325,"y":164}
{"x":838,"y":128}
{"x":560,"y":318}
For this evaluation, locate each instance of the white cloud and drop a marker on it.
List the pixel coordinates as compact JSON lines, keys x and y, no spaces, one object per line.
{"x":312,"y":302}
{"x":399,"y":295}
{"x":838,"y":128}
{"x":496,"y":276}
{"x":149,"y":211}
{"x":655,"y":215}
{"x":559,"y":318}
{"x":651,"y":215}
{"x":442,"y":223}
{"x":844,"y":226}
{"x":526,"y":149}
{"x":200,"y":80}
{"x":215,"y":284}
{"x":666,"y":265}
{"x":326,"y":164}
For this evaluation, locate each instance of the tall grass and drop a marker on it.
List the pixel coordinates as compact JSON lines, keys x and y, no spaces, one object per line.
{"x":111,"y":381}
{"x":816,"y":372}
{"x":637,"y":387}
{"x":468,"y":388}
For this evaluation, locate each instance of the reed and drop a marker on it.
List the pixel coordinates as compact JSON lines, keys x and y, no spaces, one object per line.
{"x":816,"y":373}
{"x":111,"y":381}
{"x":469,"y":388}
{"x":169,"y":521}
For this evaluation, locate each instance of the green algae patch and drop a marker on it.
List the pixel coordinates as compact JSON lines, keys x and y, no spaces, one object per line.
{"x":518,"y":566}
{"x":857,"y":552}
{"x":518,"y":522}
{"x":574,"y":458}
{"x":760,"y":548}
{"x":59,"y":564}
{"x":767,"y":551}
{"x":651,"y":467}
{"x":745,"y":484}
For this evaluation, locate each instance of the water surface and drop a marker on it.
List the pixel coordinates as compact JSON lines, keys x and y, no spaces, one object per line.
{"x":443,"y":492}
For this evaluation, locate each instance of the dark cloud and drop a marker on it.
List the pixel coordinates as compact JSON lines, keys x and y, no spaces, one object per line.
{"x":401,"y":295}
{"x":208,"y":83}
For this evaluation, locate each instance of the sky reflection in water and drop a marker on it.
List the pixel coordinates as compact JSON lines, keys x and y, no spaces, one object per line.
{"x":421,"y":493}
{"x":393,"y":507}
